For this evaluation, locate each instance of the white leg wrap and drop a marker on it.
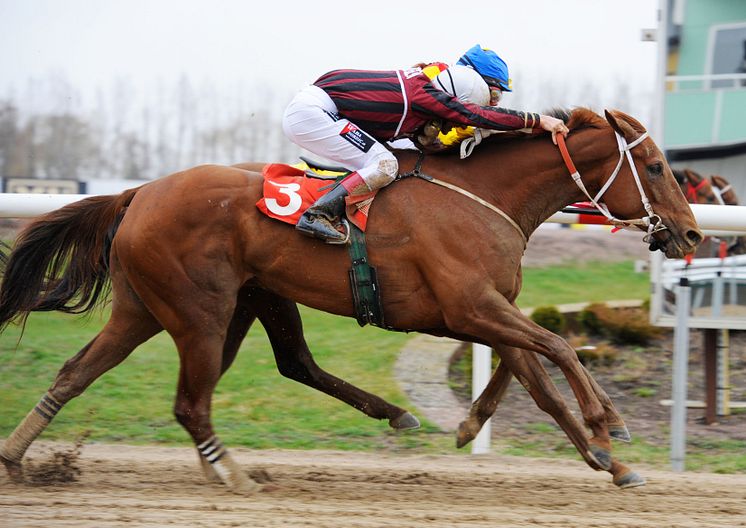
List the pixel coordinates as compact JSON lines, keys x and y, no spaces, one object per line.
{"x":30,"y":428}
{"x":224,"y":467}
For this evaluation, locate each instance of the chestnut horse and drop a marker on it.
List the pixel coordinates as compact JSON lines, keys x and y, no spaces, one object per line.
{"x":715,"y":190}
{"x":190,"y":253}
{"x":727,"y":196}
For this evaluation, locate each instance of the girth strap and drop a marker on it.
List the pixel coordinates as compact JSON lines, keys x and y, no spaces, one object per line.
{"x":366,"y":295}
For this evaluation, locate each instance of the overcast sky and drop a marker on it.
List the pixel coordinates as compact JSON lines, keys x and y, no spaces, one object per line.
{"x":287,"y":44}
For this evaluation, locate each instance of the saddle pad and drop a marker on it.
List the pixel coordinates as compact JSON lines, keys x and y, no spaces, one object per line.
{"x":287,"y":193}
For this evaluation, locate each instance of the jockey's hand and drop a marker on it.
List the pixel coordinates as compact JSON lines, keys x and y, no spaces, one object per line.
{"x":555,"y":126}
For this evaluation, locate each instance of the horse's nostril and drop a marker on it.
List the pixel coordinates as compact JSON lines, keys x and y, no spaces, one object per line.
{"x":694,"y":236}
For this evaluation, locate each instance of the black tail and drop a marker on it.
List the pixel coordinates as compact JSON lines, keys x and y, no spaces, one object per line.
{"x":61,"y":260}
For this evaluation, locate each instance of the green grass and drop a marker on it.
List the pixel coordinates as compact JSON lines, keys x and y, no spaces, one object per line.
{"x":254,"y":406}
{"x":590,"y":282}
{"x":714,"y":456}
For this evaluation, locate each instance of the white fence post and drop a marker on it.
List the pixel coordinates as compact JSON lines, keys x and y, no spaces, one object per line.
{"x":480,"y":376}
{"x":680,"y":375}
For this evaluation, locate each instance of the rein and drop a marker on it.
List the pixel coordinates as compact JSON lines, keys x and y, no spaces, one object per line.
{"x":417,"y":173}
{"x":652,"y":223}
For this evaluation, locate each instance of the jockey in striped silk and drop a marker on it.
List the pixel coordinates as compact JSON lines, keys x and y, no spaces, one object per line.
{"x":347,"y":115}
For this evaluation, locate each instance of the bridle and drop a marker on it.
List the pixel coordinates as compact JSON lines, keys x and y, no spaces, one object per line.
{"x":692,"y":190}
{"x":651,"y":223}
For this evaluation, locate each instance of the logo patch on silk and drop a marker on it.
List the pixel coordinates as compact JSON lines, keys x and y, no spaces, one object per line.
{"x":357,"y":137}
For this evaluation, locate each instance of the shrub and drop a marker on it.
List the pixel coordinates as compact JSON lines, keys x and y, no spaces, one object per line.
{"x":625,"y":326}
{"x":592,"y":318}
{"x":632,"y":327}
{"x":599,"y":353}
{"x":549,"y":317}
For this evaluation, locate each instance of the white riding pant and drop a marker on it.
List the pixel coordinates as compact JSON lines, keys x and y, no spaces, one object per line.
{"x":312,"y":122}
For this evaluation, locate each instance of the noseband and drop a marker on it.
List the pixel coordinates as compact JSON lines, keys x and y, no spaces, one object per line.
{"x":651,"y":223}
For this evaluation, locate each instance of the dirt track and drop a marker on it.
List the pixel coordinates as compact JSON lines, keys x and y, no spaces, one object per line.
{"x":154,"y":486}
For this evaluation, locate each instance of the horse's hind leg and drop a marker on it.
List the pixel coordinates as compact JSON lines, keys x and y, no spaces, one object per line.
{"x":243,"y":317}
{"x":130,"y":325}
{"x":283,"y":324}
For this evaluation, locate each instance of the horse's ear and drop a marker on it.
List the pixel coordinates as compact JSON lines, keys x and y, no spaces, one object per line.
{"x":613,"y":122}
{"x":692,"y":176}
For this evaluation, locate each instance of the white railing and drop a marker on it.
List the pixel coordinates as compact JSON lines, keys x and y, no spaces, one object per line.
{"x":735,"y":80}
{"x":716,"y":220}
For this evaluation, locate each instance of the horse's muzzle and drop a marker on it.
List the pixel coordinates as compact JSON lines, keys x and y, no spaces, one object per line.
{"x":677,"y":246}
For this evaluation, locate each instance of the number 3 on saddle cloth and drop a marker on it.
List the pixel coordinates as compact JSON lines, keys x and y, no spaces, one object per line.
{"x":289,"y":191}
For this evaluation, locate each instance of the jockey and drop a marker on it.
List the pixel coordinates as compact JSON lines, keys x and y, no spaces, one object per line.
{"x":347,"y":116}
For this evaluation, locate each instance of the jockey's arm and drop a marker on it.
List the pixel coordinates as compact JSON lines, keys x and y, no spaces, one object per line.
{"x":450,"y":109}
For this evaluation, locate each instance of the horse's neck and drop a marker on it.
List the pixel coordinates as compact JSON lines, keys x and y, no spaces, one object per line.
{"x":525,"y":178}
{"x":541,"y":183}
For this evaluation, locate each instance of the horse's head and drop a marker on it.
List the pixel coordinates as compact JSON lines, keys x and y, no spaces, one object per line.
{"x":696,"y":188}
{"x":650,"y":191}
{"x":725,"y":190}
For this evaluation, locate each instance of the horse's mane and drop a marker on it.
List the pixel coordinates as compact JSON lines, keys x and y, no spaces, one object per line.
{"x":575,"y":118}
{"x":579,"y":117}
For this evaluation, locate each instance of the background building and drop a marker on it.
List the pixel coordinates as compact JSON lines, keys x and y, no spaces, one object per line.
{"x":704,"y":101}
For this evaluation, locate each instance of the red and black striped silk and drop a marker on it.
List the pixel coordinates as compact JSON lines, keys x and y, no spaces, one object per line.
{"x":376,"y":101}
{"x":371,"y":99}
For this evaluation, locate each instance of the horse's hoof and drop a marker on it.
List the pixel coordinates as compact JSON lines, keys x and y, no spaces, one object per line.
{"x":465,"y":434}
{"x":245,"y":489}
{"x":620,"y":432}
{"x":14,"y":469}
{"x":404,"y":422}
{"x":600,"y":456}
{"x":629,"y":480}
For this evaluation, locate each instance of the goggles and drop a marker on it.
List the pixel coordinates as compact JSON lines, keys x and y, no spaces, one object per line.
{"x":496,"y":83}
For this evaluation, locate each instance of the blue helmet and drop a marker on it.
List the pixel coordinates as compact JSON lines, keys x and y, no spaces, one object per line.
{"x":492,"y":68}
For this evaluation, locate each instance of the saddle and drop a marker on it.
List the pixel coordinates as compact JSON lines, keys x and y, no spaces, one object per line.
{"x":291,"y":189}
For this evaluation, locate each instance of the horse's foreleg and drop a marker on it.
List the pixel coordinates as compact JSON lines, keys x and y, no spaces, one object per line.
{"x":494,"y":319}
{"x":617,"y":428}
{"x":537,"y":381}
{"x":484,"y":406}
{"x":130,"y":325}
{"x":283,"y":324}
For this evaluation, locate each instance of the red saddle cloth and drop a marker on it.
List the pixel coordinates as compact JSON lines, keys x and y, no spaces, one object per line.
{"x":288,"y":192}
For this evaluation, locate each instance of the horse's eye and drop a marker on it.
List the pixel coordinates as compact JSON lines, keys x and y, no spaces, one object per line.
{"x":656,"y":169}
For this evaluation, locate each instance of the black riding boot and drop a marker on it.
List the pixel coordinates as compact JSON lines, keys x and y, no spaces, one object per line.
{"x":317,"y":220}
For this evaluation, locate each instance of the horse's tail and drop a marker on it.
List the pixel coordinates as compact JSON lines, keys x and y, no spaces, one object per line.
{"x":60,"y":261}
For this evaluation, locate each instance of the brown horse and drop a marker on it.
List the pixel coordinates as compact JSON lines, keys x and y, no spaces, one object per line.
{"x":727,"y":196}
{"x":715,"y":190}
{"x":191,"y":254}
{"x":698,"y":190}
